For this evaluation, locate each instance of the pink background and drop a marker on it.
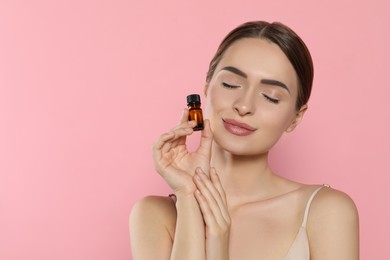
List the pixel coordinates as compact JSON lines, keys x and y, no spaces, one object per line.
{"x":87,"y":86}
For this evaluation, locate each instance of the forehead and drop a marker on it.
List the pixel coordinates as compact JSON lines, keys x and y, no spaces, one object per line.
{"x":259,"y":58}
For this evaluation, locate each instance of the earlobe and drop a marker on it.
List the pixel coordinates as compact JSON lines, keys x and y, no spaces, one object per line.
{"x":297,"y":119}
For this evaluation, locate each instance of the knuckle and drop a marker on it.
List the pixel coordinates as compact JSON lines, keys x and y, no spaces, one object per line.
{"x":225,"y":227}
{"x":228,"y":224}
{"x":219,"y":232}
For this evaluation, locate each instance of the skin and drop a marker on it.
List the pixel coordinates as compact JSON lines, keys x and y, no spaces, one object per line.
{"x":230,"y":205}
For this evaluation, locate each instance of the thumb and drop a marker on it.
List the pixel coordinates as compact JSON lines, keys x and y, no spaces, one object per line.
{"x":206,"y":139}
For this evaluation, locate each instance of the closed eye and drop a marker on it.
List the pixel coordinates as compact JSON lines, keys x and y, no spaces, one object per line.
{"x":272,"y":100}
{"x":226,"y":85}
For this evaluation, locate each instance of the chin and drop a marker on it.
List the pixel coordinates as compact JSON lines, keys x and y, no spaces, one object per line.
{"x":242,"y":147}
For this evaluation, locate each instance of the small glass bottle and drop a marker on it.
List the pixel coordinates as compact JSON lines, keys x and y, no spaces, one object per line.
{"x":195,"y":112}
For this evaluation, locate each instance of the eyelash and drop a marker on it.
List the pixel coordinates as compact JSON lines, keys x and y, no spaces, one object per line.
{"x":229,"y":86}
{"x":272,"y":100}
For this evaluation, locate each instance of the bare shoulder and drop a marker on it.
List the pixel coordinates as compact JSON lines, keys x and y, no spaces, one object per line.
{"x":152,"y":223}
{"x":156,"y":209}
{"x":333,"y":226}
{"x":154,"y":203}
{"x":332,"y":205}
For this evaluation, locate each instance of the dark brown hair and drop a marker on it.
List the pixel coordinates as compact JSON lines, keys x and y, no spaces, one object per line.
{"x":287,"y":40}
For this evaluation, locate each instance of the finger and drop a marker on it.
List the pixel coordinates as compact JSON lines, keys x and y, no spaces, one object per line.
{"x":206,"y":139}
{"x":184,"y":116}
{"x":207,"y":213}
{"x":178,"y":138}
{"x":211,"y":195}
{"x":184,"y":123}
{"x":218,"y":185}
{"x":157,"y":153}
{"x":174,"y":134}
{"x":218,"y":192}
{"x":212,"y":217}
{"x":167,"y":140}
{"x":210,"y":185}
{"x":157,"y":146}
{"x":190,"y":124}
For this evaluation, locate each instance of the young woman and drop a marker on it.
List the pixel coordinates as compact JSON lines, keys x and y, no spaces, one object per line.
{"x":227,"y":202}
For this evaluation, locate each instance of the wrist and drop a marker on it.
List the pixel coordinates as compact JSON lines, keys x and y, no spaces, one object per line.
{"x":185,"y":194}
{"x":185,"y":191}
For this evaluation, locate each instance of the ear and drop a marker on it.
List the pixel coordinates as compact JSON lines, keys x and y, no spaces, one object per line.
{"x":206,"y":87}
{"x":297,"y":118}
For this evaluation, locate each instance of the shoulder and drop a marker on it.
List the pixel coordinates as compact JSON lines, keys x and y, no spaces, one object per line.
{"x":154,"y":203}
{"x":154,"y":207}
{"x":153,"y":212}
{"x":333,"y":225}
{"x":152,"y":224}
{"x":332,"y":205}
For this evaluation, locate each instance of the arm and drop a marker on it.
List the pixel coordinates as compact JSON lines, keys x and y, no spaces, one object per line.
{"x":333,"y":227}
{"x":150,"y":232}
{"x":159,"y":231}
{"x":189,"y":241}
{"x":177,"y":166}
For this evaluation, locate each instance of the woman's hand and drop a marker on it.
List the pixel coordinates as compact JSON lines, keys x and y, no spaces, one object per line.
{"x":212,"y":202}
{"x":172,"y":159}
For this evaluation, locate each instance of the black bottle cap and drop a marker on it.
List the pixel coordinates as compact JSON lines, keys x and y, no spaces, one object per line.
{"x":194,"y":98}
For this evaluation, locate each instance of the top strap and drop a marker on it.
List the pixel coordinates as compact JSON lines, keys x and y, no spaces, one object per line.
{"x":309,"y":203}
{"x":173,"y":197}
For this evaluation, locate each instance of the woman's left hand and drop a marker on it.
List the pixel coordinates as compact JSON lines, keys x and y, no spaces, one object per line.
{"x":212,"y":202}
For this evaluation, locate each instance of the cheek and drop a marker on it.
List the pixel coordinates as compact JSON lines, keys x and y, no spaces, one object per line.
{"x":279,"y":120}
{"x":216,"y":101}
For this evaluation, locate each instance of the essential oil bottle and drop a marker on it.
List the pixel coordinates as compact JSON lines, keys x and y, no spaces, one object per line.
{"x":195,"y":112}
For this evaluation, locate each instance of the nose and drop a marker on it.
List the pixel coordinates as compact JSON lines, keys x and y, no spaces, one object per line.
{"x":245,"y":104}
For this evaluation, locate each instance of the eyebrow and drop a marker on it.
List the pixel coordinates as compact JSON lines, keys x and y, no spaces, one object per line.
{"x":235,"y":71}
{"x":277,"y":83}
{"x":271,"y":82}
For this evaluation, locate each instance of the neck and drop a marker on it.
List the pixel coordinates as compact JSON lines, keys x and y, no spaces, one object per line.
{"x":242,"y":176}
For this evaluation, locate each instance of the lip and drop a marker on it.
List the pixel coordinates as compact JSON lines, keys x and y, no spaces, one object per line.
{"x":238,"y":128}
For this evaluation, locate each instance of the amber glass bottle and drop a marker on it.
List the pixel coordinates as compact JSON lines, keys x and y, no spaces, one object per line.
{"x":195,"y":112}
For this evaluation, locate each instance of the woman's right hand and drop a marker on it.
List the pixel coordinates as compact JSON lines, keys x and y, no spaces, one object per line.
{"x":174,"y":162}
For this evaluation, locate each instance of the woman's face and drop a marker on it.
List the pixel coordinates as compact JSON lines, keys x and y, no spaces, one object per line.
{"x":251,"y":97}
